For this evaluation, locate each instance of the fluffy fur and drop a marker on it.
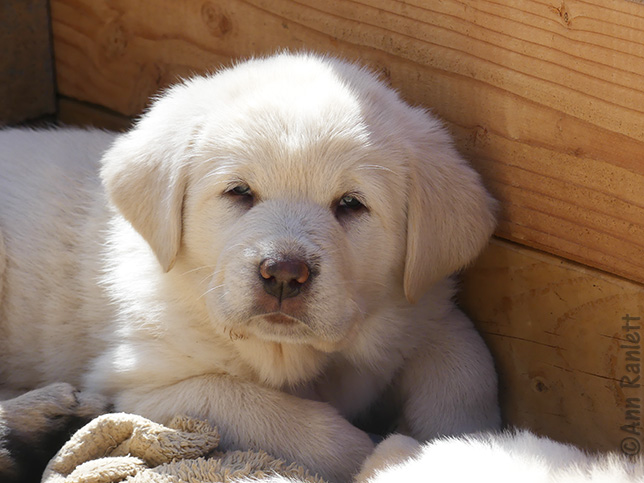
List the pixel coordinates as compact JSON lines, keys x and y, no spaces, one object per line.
{"x":145,"y":284}
{"x":505,"y":457}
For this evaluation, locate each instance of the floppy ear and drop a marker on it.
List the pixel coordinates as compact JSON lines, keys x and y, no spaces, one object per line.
{"x":145,"y":175}
{"x":450,"y":215}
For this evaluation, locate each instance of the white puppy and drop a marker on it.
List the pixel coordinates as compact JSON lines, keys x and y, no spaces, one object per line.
{"x":270,"y":248}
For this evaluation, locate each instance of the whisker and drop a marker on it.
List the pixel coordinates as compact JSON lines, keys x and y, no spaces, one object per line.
{"x":211,"y":289}
{"x":239,"y":244}
{"x":207,"y":277}
{"x":203,"y":267}
{"x":360,"y":310}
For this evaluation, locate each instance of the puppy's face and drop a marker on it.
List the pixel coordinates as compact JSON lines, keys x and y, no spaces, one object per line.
{"x":300,"y":215}
{"x":303,"y":192}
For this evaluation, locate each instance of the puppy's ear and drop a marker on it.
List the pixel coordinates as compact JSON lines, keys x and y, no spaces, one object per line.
{"x":450,"y":214}
{"x":145,"y":177}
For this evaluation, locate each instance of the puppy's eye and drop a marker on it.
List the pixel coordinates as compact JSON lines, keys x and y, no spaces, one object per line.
{"x":350,"y":202}
{"x":349,"y":206}
{"x":241,"y":192}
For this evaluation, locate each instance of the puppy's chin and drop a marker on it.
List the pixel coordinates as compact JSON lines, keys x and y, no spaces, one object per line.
{"x":282,"y":328}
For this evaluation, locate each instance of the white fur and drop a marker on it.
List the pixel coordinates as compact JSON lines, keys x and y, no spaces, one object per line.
{"x":148,"y":290}
{"x":506,"y":457}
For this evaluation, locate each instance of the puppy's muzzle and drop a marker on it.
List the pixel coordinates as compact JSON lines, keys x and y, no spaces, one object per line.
{"x":284,"y":278}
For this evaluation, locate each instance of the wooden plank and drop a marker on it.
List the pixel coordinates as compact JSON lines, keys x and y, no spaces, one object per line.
{"x":26,"y":67}
{"x":546,"y":98}
{"x":567,"y":342}
{"x":75,"y":113}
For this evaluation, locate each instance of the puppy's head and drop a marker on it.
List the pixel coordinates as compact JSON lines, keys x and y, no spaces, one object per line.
{"x":300,"y":193}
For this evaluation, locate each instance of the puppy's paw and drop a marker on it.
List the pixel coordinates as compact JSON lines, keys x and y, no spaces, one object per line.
{"x":396,"y":449}
{"x":36,"y":424}
{"x":49,"y":409}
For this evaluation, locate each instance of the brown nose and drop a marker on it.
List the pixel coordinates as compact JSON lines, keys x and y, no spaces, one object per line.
{"x":283,"y":278}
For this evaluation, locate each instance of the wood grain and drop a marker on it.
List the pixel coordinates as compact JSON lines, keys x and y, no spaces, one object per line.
{"x":568,"y":358}
{"x":545,"y":97}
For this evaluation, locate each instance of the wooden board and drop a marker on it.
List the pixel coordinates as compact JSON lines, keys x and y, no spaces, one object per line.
{"x":567,"y":342}
{"x":546,"y":98}
{"x":26,"y":72}
{"x":75,"y":113}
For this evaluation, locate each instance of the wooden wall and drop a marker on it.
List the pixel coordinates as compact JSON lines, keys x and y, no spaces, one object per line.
{"x":26,"y":70}
{"x":546,"y":98}
{"x":567,"y":340}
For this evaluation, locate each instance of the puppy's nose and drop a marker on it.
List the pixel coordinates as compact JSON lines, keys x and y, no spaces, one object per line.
{"x":284,"y":278}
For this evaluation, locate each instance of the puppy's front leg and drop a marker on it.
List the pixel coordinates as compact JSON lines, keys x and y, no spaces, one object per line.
{"x":450,"y":385}
{"x":249,"y":416}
